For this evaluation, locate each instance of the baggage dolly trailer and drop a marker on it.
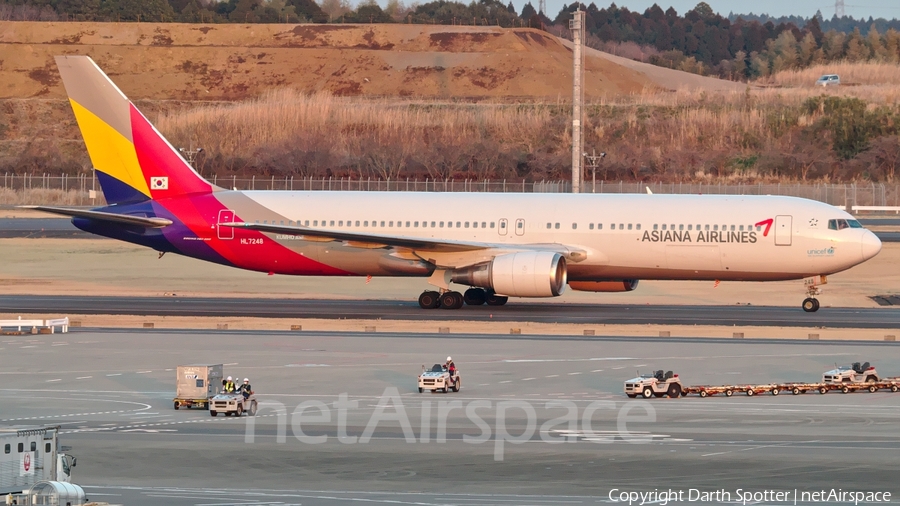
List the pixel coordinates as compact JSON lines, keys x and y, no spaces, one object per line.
{"x":196,"y":384}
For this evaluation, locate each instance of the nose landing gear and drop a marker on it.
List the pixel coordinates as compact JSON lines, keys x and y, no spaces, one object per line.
{"x":811,"y":303}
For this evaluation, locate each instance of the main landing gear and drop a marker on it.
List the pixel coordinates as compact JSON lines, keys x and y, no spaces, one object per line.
{"x":454,"y":300}
{"x":810,"y":304}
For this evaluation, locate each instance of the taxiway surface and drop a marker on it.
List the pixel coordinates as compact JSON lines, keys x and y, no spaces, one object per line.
{"x":515,"y":311}
{"x":112,"y":393}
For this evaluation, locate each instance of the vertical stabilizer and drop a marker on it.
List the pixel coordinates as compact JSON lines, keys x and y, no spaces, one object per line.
{"x":134,"y":162}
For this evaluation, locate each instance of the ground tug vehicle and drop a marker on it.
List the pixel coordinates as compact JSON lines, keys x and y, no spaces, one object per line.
{"x":31,"y":454}
{"x":846,"y":379}
{"x":655,"y":384}
{"x":233,"y":404}
{"x":438,"y":379}
{"x":196,"y":384}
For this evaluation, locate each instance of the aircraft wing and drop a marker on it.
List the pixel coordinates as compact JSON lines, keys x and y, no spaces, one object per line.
{"x":418,"y":244}
{"x":141,"y":221}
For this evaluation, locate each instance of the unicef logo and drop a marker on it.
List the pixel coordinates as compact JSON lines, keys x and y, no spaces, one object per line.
{"x":820,"y":252}
{"x":831,"y":251}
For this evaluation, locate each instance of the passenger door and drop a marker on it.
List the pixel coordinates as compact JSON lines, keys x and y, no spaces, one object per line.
{"x":783,"y":230}
{"x":520,"y":227}
{"x":503,"y":226}
{"x":225,"y":216}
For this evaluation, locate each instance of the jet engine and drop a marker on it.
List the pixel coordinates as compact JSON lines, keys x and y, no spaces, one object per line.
{"x":625,"y":285}
{"x":524,"y":274}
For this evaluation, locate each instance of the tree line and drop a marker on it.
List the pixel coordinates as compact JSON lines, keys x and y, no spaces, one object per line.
{"x":700,"y":41}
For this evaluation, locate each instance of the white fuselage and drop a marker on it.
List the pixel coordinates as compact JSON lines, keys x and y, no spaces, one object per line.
{"x":626,"y":236}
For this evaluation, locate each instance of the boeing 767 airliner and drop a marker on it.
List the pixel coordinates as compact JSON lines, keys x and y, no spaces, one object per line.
{"x":499,"y":245}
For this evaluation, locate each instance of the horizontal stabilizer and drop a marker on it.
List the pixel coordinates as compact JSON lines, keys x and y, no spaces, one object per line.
{"x":141,"y":221}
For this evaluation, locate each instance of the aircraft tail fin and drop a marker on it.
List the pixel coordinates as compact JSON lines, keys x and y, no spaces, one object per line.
{"x":133,"y":161}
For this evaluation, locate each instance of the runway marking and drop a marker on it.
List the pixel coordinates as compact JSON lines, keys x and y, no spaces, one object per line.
{"x":143,"y":372}
{"x":528,"y":379}
{"x":575,"y":373}
{"x":552,"y":376}
{"x":53,"y":380}
{"x":84,"y":377}
{"x":115,"y":374}
{"x":529,"y":360}
{"x":60,"y":344}
{"x":597,"y":370}
{"x":32,"y":346}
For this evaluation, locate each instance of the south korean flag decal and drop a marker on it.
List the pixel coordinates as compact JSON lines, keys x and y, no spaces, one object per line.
{"x":159,"y":183}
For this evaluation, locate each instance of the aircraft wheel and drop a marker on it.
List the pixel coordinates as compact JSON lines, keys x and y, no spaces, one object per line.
{"x":496,"y":300}
{"x":451,"y":300}
{"x":475,"y":297}
{"x":429,"y":300}
{"x":810,"y":305}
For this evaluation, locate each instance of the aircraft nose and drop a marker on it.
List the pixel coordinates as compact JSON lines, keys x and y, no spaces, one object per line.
{"x":871,"y":245}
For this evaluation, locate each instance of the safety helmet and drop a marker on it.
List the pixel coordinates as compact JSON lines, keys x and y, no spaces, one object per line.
{"x":246,"y":380}
{"x":449,"y":359}
{"x":229,"y":378}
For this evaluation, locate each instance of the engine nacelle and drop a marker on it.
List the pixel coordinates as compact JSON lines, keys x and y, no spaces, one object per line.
{"x":525,"y":274}
{"x":626,"y":285}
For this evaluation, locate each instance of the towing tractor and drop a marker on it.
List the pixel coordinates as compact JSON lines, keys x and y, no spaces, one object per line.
{"x":233,"y":404}
{"x":855,"y":373}
{"x":438,"y":379}
{"x":657,"y":384}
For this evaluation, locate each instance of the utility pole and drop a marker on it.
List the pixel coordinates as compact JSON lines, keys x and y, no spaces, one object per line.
{"x":839,"y":8}
{"x":594,"y":161}
{"x":542,"y":7}
{"x":576,"y":25}
{"x":190,"y":154}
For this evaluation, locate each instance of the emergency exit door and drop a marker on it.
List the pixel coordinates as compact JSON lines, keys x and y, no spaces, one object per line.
{"x":782,"y":231}
{"x":520,"y":227}
{"x":225,"y":216}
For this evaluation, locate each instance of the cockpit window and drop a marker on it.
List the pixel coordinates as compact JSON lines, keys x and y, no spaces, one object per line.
{"x":842,"y":224}
{"x":838,"y":224}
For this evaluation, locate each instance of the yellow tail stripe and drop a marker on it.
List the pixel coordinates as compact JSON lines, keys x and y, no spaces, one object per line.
{"x":110,"y":152}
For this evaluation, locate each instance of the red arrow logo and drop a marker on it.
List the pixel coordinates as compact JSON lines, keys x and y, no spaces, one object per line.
{"x":768,"y":224}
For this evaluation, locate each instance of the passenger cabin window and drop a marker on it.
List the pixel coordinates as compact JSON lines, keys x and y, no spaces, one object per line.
{"x":629,"y":226}
{"x":574,"y":226}
{"x":591,"y":226}
{"x":638,"y":226}
{"x":6,"y":449}
{"x":556,"y":226}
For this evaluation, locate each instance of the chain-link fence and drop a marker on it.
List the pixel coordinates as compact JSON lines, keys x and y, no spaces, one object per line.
{"x":79,"y":188}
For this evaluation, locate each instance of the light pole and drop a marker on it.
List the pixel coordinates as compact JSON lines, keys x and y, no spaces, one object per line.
{"x":594,"y":160}
{"x":190,"y":154}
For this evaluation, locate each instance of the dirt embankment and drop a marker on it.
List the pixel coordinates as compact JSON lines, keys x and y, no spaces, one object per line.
{"x":232,"y":62}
